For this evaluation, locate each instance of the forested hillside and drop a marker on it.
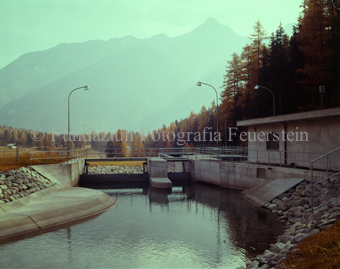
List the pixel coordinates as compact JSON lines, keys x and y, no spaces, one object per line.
{"x":293,"y":66}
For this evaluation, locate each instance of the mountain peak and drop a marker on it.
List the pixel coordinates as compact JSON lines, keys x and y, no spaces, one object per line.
{"x":211,"y":21}
{"x":211,"y":27}
{"x":160,"y":36}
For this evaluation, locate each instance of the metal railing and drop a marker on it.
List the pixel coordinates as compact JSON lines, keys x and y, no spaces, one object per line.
{"x":113,"y":153}
{"x":183,"y":152}
{"x":300,"y":159}
{"x":268,"y":157}
{"x":56,"y":155}
{"x":327,"y":156}
{"x":11,"y":152}
{"x":232,"y":154}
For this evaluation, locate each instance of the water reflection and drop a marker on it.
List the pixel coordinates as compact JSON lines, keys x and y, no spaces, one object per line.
{"x":250,"y":227}
{"x":188,"y":226}
{"x":159,"y":196}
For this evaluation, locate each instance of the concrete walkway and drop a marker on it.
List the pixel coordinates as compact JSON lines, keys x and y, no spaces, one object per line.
{"x":51,"y":207}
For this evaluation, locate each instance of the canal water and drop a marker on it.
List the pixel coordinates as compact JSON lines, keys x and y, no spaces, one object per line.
{"x":197,"y":226}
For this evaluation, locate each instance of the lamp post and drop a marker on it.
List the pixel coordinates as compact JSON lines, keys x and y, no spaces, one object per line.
{"x":199,"y":83}
{"x":258,"y":86}
{"x":322,"y":91}
{"x":69,"y":135}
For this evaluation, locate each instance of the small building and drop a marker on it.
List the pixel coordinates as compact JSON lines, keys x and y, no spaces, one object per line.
{"x":11,"y":146}
{"x":295,"y":139}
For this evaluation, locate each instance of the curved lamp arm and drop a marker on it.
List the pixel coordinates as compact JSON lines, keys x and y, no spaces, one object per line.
{"x":258,"y":86}
{"x":199,"y":83}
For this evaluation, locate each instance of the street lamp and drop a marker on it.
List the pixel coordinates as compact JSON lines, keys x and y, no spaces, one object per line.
{"x":199,"y":84}
{"x":258,"y":86}
{"x":69,"y":135}
{"x":322,"y":91}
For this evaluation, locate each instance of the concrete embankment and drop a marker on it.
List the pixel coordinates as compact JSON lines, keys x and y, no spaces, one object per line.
{"x":242,"y":176}
{"x":42,"y":196}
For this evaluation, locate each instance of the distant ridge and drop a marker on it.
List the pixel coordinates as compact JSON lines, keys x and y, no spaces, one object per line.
{"x":133,"y":82}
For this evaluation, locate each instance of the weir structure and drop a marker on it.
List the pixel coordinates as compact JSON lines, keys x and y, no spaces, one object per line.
{"x":261,"y":180}
{"x":159,"y":172}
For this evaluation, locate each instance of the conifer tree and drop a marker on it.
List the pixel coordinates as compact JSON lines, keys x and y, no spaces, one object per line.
{"x":233,"y":77}
{"x":315,"y":40}
{"x":203,"y":119}
{"x":117,"y":146}
{"x":110,"y":149}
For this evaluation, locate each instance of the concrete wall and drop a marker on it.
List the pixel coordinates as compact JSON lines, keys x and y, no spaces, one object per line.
{"x":257,"y":150}
{"x":157,"y":167}
{"x":309,"y":140}
{"x":65,"y":174}
{"x":323,"y":137}
{"x":178,"y":166}
{"x":242,"y":176}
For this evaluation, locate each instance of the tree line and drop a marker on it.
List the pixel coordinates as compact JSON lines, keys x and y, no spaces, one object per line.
{"x":121,"y":143}
{"x":38,"y":139}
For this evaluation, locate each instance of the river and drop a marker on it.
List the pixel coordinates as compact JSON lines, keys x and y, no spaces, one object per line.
{"x":197,"y":226}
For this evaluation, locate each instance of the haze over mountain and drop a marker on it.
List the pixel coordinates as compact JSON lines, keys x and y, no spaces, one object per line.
{"x":134,"y":83}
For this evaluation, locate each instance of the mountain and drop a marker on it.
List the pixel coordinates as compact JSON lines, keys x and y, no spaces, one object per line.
{"x":134,"y":83}
{"x":36,"y":69}
{"x":289,"y":28}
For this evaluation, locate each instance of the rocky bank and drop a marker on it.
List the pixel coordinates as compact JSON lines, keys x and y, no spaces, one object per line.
{"x":16,"y":184}
{"x":20,"y":183}
{"x":294,"y":208}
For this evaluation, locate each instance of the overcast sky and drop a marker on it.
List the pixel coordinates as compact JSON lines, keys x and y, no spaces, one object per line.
{"x":34,"y":25}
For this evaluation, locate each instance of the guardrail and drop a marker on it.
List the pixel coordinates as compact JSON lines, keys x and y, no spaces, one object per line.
{"x":192,"y":153}
{"x":233,"y":154}
{"x":137,"y":152}
{"x":300,"y":159}
{"x":269,"y":157}
{"x":327,"y":178}
{"x":60,"y":155}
